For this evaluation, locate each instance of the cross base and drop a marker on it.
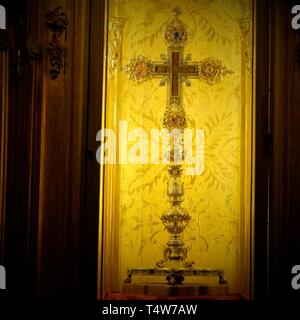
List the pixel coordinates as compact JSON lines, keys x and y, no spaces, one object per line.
{"x":175,"y":254}
{"x":206,"y":290}
{"x":175,"y":276}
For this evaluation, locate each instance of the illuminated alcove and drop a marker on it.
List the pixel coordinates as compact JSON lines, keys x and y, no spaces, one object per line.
{"x":220,"y":199}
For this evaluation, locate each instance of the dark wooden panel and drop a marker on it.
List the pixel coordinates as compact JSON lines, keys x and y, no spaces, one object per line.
{"x":277,"y":152}
{"x":293,"y":172}
{"x":280,"y":81}
{"x":44,"y":228}
{"x":63,"y":156}
{"x":3,"y":143}
{"x":23,"y":163}
{"x":92,"y":183}
{"x":262,"y":150}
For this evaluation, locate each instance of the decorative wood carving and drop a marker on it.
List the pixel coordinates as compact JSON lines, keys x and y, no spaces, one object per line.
{"x":57,"y":22}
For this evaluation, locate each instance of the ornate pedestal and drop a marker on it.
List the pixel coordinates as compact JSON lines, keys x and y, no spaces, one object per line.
{"x":174,"y":285}
{"x":178,"y":290}
{"x":175,"y":276}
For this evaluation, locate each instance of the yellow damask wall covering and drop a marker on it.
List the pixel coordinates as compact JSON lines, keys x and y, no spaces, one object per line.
{"x":219,"y":200}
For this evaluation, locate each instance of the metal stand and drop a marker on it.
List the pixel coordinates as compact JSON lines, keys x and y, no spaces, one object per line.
{"x":175,"y":276}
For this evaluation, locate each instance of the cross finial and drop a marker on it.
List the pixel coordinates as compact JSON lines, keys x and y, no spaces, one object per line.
{"x":176,"y":11}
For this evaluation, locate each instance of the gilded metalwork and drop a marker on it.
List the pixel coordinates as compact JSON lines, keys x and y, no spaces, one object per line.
{"x":212,"y":70}
{"x":176,"y":33}
{"x":177,"y":69}
{"x":175,"y":276}
{"x":140,"y":69}
{"x":174,"y":117}
{"x":176,"y":218}
{"x":173,"y":71}
{"x":177,"y":290}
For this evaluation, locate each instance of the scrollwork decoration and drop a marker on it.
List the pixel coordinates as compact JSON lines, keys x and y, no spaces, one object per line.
{"x":140,"y":69}
{"x":212,"y":70}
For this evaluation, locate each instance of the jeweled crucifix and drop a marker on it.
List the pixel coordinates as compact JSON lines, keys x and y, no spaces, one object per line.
{"x":174,"y":70}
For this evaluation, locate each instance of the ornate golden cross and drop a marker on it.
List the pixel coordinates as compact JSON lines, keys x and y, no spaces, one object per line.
{"x":177,"y":71}
{"x":175,"y":68}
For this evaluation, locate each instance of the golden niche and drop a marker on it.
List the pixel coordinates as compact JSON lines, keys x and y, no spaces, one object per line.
{"x":175,"y":69}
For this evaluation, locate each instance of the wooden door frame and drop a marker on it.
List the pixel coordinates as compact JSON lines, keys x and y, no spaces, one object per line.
{"x":245,"y":266}
{"x":275,"y":95}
